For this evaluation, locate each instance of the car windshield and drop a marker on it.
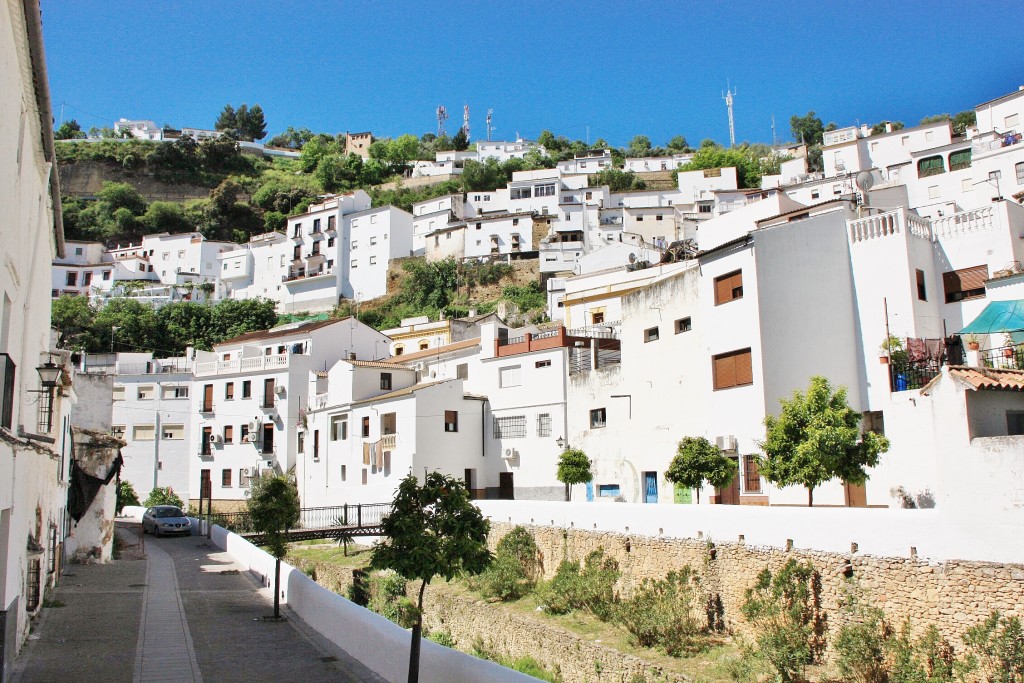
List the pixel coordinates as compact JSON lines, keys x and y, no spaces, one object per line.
{"x":167,"y":512}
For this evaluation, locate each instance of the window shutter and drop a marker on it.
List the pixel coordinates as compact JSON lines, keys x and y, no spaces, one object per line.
{"x":728,"y":287}
{"x":744,"y":371}
{"x":964,"y":280}
{"x":725,"y":372}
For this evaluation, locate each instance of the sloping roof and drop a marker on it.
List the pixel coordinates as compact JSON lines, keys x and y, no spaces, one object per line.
{"x":371,"y":364}
{"x":400,"y":392}
{"x":982,"y":378}
{"x":264,"y":335}
{"x":436,"y":351}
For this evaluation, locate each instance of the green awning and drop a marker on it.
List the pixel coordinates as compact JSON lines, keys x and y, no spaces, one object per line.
{"x":998,"y":316}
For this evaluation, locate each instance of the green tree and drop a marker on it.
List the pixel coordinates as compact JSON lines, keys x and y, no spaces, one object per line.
{"x":678,"y":144}
{"x":273,"y":506}
{"x":292,"y":138}
{"x":639,"y":146}
{"x":698,"y":460}
{"x":963,"y":120}
{"x":226,"y":120}
{"x":807,"y":129}
{"x":936,"y":118}
{"x":138,"y":328}
{"x":574,"y":467}
{"x":748,"y":167}
{"x":188,"y":323}
{"x":432,"y":530}
{"x":69,"y":130}
{"x":163,"y":495}
{"x":253,"y":124}
{"x":459,"y":141}
{"x":617,"y":180}
{"x":71,"y":316}
{"x":816,"y":438}
{"x":114,"y":196}
{"x":166,"y":217}
{"x":881,"y":127}
{"x":125,"y":495}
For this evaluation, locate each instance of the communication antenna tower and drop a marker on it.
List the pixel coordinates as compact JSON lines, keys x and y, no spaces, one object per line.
{"x":727,"y":96}
{"x":465,"y":120}
{"x":442,"y":116}
{"x":490,"y":113}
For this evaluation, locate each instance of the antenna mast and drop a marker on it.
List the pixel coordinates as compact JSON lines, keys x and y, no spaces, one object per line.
{"x":465,"y":120}
{"x":490,"y":113}
{"x":727,"y":96}
{"x":442,"y":116}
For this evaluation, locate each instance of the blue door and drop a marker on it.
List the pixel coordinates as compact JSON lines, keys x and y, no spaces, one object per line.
{"x":590,"y":491}
{"x":650,"y":487}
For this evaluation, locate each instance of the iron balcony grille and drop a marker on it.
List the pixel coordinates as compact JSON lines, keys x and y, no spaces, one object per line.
{"x":7,"y":372}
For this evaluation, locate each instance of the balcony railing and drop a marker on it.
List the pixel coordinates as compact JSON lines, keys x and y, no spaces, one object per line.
{"x":387,"y":442}
{"x":246,"y":365}
{"x":7,"y":372}
{"x":1004,"y":357}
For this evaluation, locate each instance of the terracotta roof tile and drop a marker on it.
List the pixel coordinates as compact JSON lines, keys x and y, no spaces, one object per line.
{"x":272,"y":333}
{"x":984,"y":378}
{"x":436,"y":351}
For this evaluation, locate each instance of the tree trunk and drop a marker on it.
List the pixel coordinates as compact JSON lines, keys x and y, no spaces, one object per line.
{"x":810,"y":497}
{"x":417,"y":630}
{"x":277,"y":587}
{"x":698,"y":495}
{"x":568,"y":492}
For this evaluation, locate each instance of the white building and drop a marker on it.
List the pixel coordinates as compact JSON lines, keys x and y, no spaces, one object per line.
{"x":584,"y":163}
{"x":504,"y":150}
{"x":150,"y":412}
{"x":654,"y":164}
{"x":141,"y":129}
{"x":434,"y":214}
{"x":35,"y":448}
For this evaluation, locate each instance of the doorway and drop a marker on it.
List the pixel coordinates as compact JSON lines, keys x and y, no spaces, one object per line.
{"x":650,"y":487}
{"x":730,"y":495}
{"x":856,"y":495}
{"x":506,"y":490}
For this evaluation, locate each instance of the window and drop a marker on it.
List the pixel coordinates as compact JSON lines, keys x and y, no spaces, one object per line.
{"x":1020,"y":173}
{"x":54,"y":293}
{"x":732,"y":369}
{"x":544,"y":424}
{"x":229,"y":434}
{"x":542,"y":364}
{"x":366,"y":427}
{"x":373,"y":260}
{"x":510,"y":376}
{"x":683,"y":325}
{"x":728,"y":287}
{"x":385,"y":381}
{"x":399,"y":349}
{"x":225,"y":478}
{"x":608,"y":491}
{"x":316,"y":444}
{"x":72,"y":279}
{"x":510,"y":427}
{"x":966,"y":283}
{"x":330,"y":242}
{"x":751,"y":475}
{"x":142,"y":433}
{"x":87,"y":279}
{"x":118,"y":394}
{"x":650,"y":334}
{"x":597,"y":316}
{"x":172,"y":432}
{"x":146,"y":392}
{"x":344,"y":472}
{"x":451,"y":420}
{"x":640,"y":218}
{"x":243,"y":477}
{"x":247,"y":389}
{"x":106,"y":274}
{"x":659,"y":217}
{"x":933,"y":192}
{"x":243,"y":431}
{"x":816,"y":194}
{"x":364,"y":476}
{"x":268,"y":393}
{"x":1014,"y":422}
{"x":960,"y":159}
{"x":704,"y":208}
{"x":330,"y":222}
{"x":1011,"y":121}
{"x":78,"y":251}
{"x":873,"y":421}
{"x":297,"y":252}
{"x":424,"y":346}
{"x":930,"y":166}
{"x":461,"y":370}
{"x":300,"y":442}
{"x":373,"y":241}
{"x":339,"y":427}
{"x":229,"y":391}
{"x":598,"y":418}
{"x":922,"y":292}
{"x":316,"y":225}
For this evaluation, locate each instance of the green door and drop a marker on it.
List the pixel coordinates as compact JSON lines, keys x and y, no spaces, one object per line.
{"x":683,"y":494}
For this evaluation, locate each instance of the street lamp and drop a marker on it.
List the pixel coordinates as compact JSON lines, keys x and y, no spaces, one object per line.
{"x":49,"y":373}
{"x":561,"y":442}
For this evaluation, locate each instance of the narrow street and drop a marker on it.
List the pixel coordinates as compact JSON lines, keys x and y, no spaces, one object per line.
{"x":184,"y":613}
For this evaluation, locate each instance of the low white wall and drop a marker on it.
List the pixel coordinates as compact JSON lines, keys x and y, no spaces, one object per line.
{"x":937,"y":535}
{"x":133,"y":512}
{"x":381,"y":645}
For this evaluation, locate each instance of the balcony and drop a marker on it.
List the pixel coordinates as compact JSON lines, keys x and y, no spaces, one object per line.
{"x":268,"y":403}
{"x":1003,"y":358}
{"x":307,"y":273}
{"x":388,"y":442}
{"x":994,"y":141}
{"x":7,"y":373}
{"x":155,"y":367}
{"x":886,"y":224}
{"x":553,"y":339}
{"x":242,"y":365}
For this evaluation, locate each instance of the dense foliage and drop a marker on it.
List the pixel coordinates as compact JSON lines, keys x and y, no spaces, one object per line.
{"x":163,"y":495}
{"x":698,"y":460}
{"x":574,"y":467}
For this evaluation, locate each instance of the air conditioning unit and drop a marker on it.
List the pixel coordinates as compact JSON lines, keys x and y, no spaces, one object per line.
{"x":243,"y":477}
{"x":251,"y":437}
{"x":510,"y":454}
{"x":254,"y":426}
{"x":216,"y":438}
{"x":726,"y":443}
{"x":279,"y":389}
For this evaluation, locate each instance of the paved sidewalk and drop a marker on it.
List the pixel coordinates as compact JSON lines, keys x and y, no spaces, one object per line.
{"x":185,"y":613}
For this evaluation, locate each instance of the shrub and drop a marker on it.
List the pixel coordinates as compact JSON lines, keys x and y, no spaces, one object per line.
{"x":928,"y":659}
{"x":513,"y":572}
{"x":589,"y":587}
{"x":996,"y":648}
{"x":861,"y":644}
{"x":443,"y":638}
{"x":662,"y":613}
{"x":783,"y":609}
{"x":163,"y":496}
{"x":126,"y":495}
{"x":388,"y":599}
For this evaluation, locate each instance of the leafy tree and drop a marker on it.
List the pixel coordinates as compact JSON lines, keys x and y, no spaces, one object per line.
{"x":71,"y":316}
{"x":69,"y":130}
{"x":698,"y":460}
{"x":137,"y":325}
{"x":188,"y":323}
{"x":617,"y":180}
{"x":817,"y":438}
{"x":125,"y":495}
{"x":807,"y":129}
{"x":274,"y":509}
{"x":253,"y":124}
{"x":574,"y":467}
{"x":164,"y":495}
{"x":432,"y":530}
{"x":114,"y":196}
{"x":996,"y":647}
{"x":678,"y":144}
{"x":936,"y":118}
{"x":639,"y":146}
{"x":292,"y":138}
{"x":166,"y":217}
{"x":459,"y":141}
{"x":881,"y":126}
{"x":748,"y":167}
{"x":963,"y":120}
{"x":708,"y":142}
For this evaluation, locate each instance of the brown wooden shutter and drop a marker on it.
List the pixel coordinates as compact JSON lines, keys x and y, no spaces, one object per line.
{"x":964,"y":280}
{"x":744,"y":370}
{"x":724,"y":371}
{"x":726,"y":287}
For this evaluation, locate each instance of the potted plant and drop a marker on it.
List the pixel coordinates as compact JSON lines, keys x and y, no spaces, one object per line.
{"x":899,"y":361}
{"x":973,"y":343}
{"x":1008,"y":345}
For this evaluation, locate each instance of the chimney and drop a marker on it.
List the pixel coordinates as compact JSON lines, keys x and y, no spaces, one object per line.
{"x":888,"y":126}
{"x":351,"y":355}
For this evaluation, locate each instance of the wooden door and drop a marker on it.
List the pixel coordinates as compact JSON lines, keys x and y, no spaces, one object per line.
{"x":506,"y":490}
{"x":268,"y":393}
{"x":729,"y":495}
{"x":207,"y":398}
{"x":856,"y":495}
{"x":650,"y":487}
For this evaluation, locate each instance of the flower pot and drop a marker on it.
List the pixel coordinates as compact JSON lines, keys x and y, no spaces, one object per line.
{"x":973,"y":346}
{"x":884,"y":360}
{"x":1008,"y":353}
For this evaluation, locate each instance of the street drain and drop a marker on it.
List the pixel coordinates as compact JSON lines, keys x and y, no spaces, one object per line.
{"x":132,"y":585}
{"x":329,"y":658}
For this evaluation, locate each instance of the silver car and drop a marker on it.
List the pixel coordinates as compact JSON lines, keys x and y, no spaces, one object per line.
{"x":165,"y":519}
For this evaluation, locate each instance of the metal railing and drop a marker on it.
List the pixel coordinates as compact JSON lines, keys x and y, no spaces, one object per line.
{"x":1004,"y":357}
{"x":335,"y":516}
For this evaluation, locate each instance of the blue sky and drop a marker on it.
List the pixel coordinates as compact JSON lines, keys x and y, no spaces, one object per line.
{"x":619,"y":68}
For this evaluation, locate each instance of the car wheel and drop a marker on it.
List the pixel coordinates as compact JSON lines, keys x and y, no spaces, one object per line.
{"x":156,"y":531}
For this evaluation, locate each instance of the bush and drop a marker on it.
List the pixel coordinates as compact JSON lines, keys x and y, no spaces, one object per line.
{"x":126,"y":495}
{"x":662,"y":613}
{"x":443,"y":638}
{"x":590,"y":587}
{"x":513,"y":572}
{"x":388,"y":599}
{"x":996,"y":648}
{"x":784,"y":611}
{"x":862,"y":642}
{"x":163,"y":496}
{"x":928,"y":659}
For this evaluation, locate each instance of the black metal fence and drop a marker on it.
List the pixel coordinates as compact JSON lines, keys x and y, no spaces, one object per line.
{"x":1004,"y":357}
{"x":357,"y":515}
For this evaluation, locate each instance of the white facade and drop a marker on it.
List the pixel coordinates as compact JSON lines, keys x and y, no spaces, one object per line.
{"x":499,"y":235}
{"x":651,"y":164}
{"x":584,"y":163}
{"x":503,"y":150}
{"x":434,"y":214}
{"x":695,"y":186}
{"x":140,"y":129}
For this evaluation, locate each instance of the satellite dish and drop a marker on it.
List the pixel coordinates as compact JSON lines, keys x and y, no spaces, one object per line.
{"x":865,"y":180}
{"x":632,"y":257}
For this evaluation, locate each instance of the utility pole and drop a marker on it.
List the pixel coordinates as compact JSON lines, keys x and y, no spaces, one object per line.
{"x":727,"y":96}
{"x":490,"y":114}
